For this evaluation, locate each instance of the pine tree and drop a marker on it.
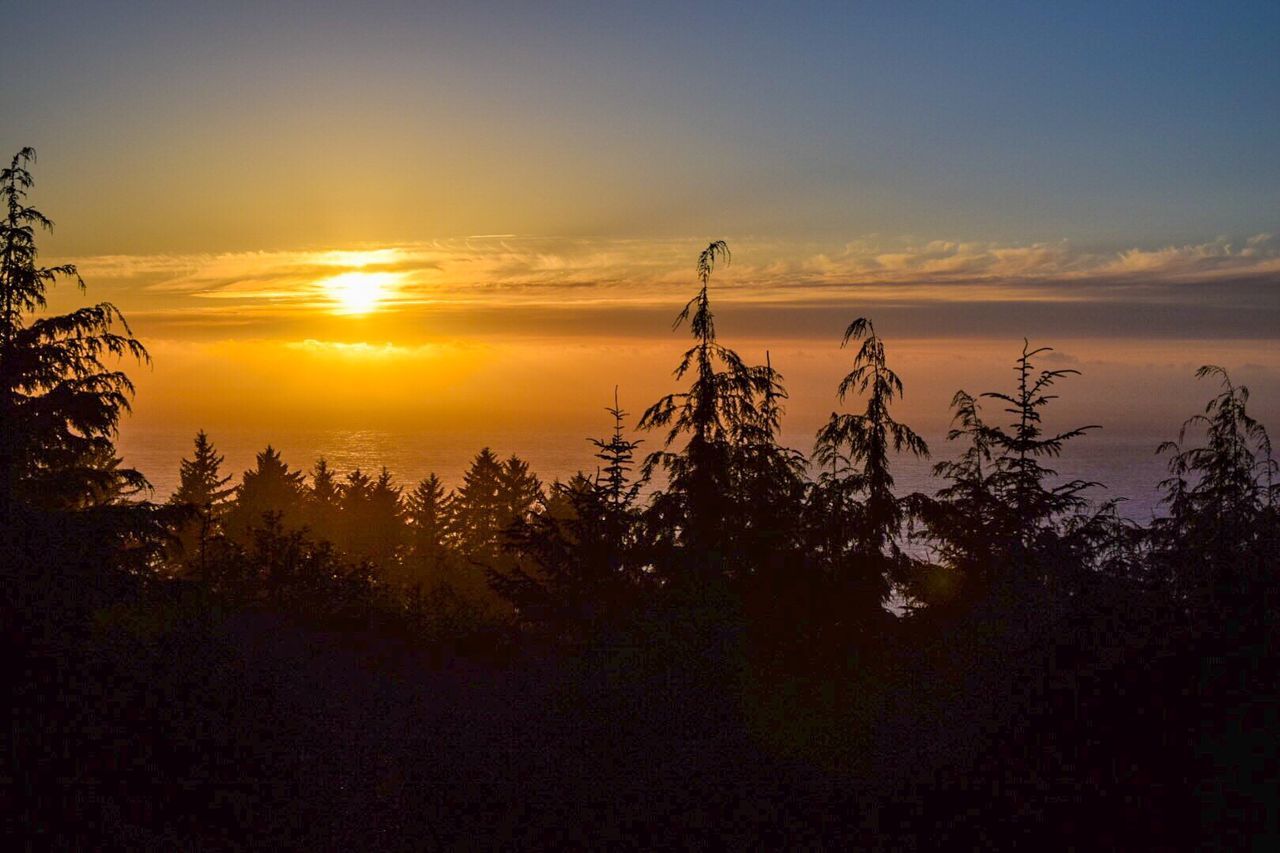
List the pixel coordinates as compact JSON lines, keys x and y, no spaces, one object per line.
{"x":200,"y":482}
{"x":59,"y":401}
{"x":574,"y":567}
{"x":519,"y":491}
{"x":1022,"y":476}
{"x":427,"y":511}
{"x":270,"y":487}
{"x":770,"y":483}
{"x":371,"y":518}
{"x":387,"y":531}
{"x":477,"y":509}
{"x":355,"y":497}
{"x":1000,"y":520}
{"x":715,"y":415}
{"x":202,"y":487}
{"x":856,"y":449}
{"x":618,"y":456}
{"x":324,"y":499}
{"x":968,"y":520}
{"x":1218,"y":543}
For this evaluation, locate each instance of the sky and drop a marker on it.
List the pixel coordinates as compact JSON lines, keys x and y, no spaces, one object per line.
{"x":450,"y":217}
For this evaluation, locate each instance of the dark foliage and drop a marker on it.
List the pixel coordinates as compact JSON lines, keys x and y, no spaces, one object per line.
{"x":60,"y":402}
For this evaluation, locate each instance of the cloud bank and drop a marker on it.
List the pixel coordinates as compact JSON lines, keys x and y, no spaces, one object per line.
{"x":548,"y":286}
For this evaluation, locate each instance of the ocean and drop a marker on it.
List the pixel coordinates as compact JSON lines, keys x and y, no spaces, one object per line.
{"x":1127,"y":464}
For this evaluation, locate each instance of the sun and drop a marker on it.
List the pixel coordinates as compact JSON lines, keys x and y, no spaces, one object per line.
{"x":358,"y":292}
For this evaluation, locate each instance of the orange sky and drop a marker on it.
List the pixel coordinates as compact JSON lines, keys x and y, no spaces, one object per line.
{"x":509,"y":331}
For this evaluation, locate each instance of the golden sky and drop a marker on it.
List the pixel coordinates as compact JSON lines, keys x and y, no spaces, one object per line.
{"x":450,"y":218}
{"x":510,"y":331}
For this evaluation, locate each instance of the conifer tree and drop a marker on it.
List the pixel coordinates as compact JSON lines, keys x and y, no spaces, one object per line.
{"x":476,"y":525}
{"x":770,"y":483}
{"x":856,"y":449}
{"x":324,"y":502}
{"x":616,"y":493}
{"x":576,"y":559}
{"x":372,"y":523}
{"x":618,"y":456}
{"x":355,"y":497}
{"x":200,"y":480}
{"x":494,"y":495}
{"x":60,"y":403}
{"x":1000,"y":520}
{"x":270,"y":487}
{"x":427,"y":510}
{"x":202,"y":487}
{"x":518,"y":491}
{"x":1218,"y":544}
{"x":386,"y":525}
{"x":574,"y":563}
{"x":968,"y":520}
{"x":1024,"y":443}
{"x":717,"y":412}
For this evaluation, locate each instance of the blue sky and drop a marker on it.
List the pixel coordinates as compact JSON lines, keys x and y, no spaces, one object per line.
{"x":178,"y":127}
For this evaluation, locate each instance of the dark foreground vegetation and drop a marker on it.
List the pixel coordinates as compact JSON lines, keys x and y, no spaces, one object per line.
{"x":768,"y":649}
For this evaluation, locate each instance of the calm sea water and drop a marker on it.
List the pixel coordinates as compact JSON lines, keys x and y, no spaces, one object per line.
{"x":1127,"y":464}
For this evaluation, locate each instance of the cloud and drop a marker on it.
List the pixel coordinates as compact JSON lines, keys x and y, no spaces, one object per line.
{"x":546,"y":279}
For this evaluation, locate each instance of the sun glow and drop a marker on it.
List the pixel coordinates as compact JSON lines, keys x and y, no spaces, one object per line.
{"x":358,"y":292}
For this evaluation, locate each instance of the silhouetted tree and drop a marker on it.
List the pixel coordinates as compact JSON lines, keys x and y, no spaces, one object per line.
{"x":324,"y":501}
{"x":854,"y":449}
{"x":1001,"y":519}
{"x":60,"y":403}
{"x":202,"y":487}
{"x":493,"y":497}
{"x":968,"y":522}
{"x":574,"y":570}
{"x":577,"y":559}
{"x":618,"y":456}
{"x":519,"y":490}
{"x":427,"y":513}
{"x":1024,"y":444}
{"x":386,"y":520}
{"x":285,"y":568}
{"x":269,"y":487}
{"x":477,"y":522}
{"x":717,"y":412}
{"x":1218,"y":543}
{"x":770,"y":487}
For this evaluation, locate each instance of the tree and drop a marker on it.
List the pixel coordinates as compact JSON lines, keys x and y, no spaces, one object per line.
{"x":618,"y":456}
{"x":202,"y":487}
{"x":323,"y":504}
{"x":715,"y":415}
{"x":478,"y":516}
{"x":519,"y":491}
{"x":270,"y":487}
{"x":1021,"y":446}
{"x":427,"y":512}
{"x":999,"y":521}
{"x":577,"y":559}
{"x":60,"y":403}
{"x":770,"y":485}
{"x":386,"y":528}
{"x":967,"y":522}
{"x":200,"y":481}
{"x":1218,"y":543}
{"x":855,"y":448}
